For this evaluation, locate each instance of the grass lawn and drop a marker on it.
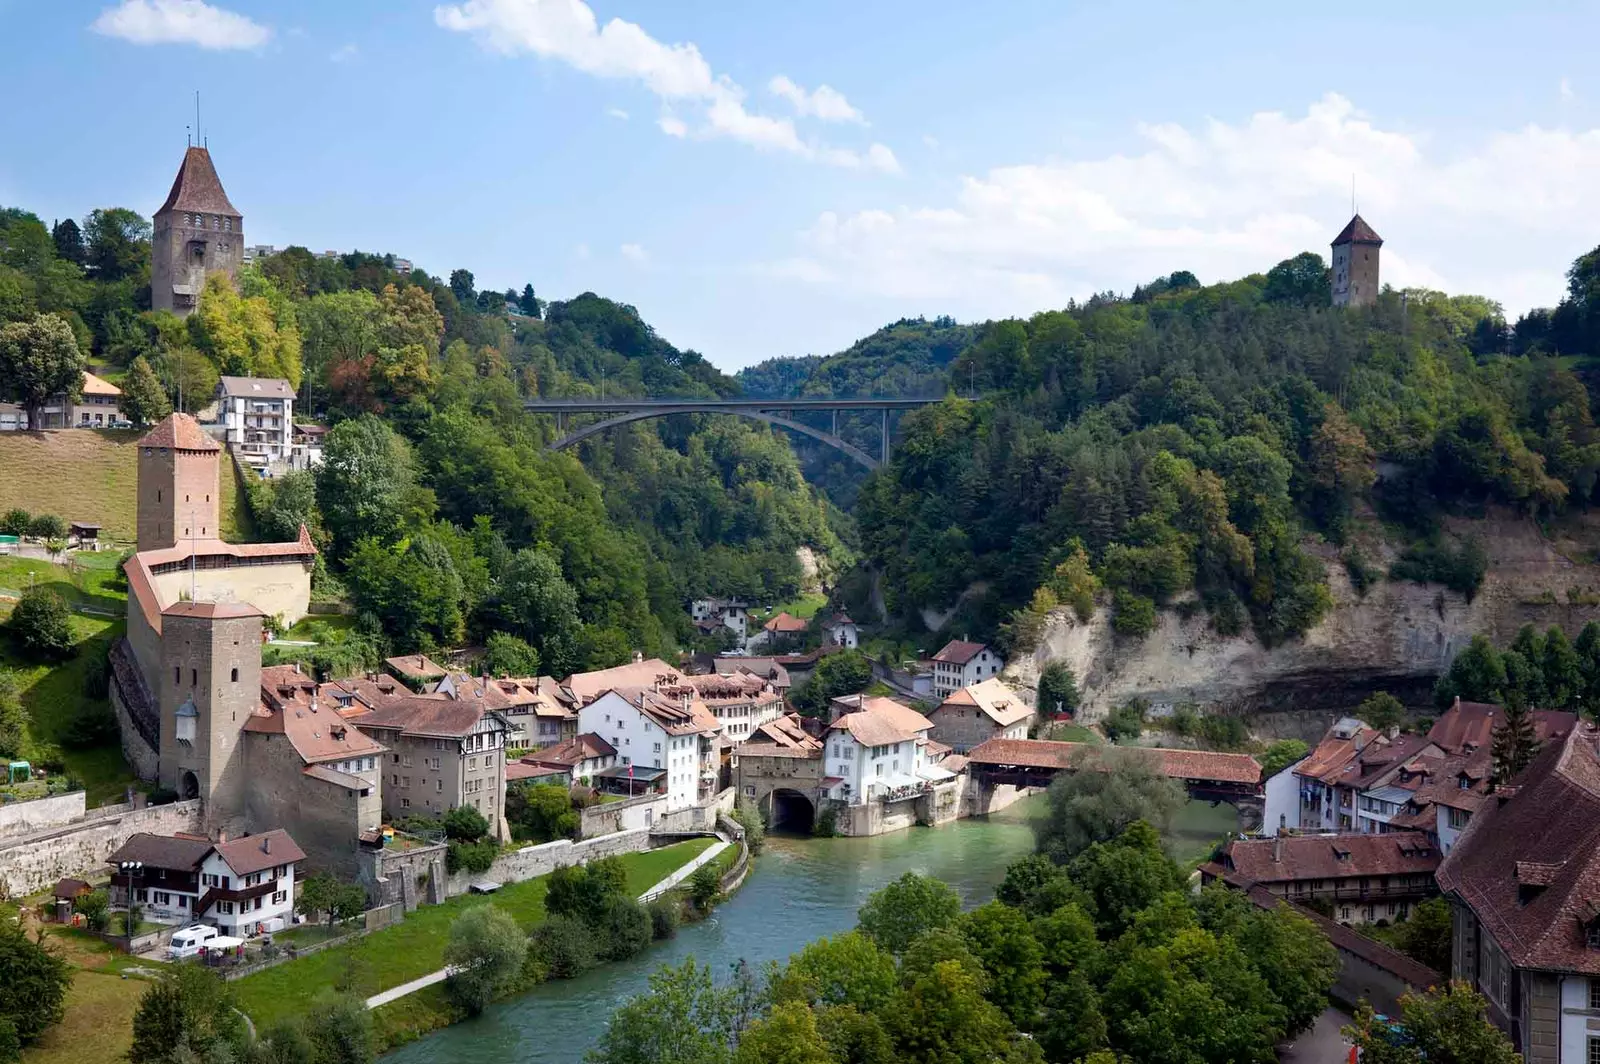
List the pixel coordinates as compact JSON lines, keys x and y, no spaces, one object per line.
{"x":1196,"y":830}
{"x":322,"y":627}
{"x":98,"y":1027}
{"x":415,"y":947}
{"x":1068,"y":732}
{"x":805,"y":607}
{"x":91,"y":475}
{"x":84,"y":582}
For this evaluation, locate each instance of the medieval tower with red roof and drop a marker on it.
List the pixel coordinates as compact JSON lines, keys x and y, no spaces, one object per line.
{"x":197,"y":232}
{"x":1355,"y":265}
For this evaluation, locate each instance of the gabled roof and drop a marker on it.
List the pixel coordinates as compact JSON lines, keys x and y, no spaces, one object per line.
{"x":254,"y":853}
{"x":415,"y":667}
{"x":785,"y":622}
{"x":770,"y":668}
{"x":572,"y":752}
{"x":1200,"y":765}
{"x":180,"y":432}
{"x":1528,"y":864}
{"x":93,"y":385}
{"x":1357,"y":232}
{"x":959,"y":652}
{"x":292,"y":705}
{"x":1287,"y":858}
{"x":197,"y":187}
{"x":1468,"y":725}
{"x":881,"y":722}
{"x":430,"y":716}
{"x":255,"y":387}
{"x":676,"y":711}
{"x":177,"y":852}
{"x":994,"y":699}
{"x":785,"y":732}
{"x":646,"y":672}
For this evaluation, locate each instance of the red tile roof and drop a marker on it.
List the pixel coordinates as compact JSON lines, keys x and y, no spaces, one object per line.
{"x":994,"y":699}
{"x":425,"y":715}
{"x":880,"y":721}
{"x":1548,"y":829}
{"x":570,"y":753}
{"x":1199,"y":765}
{"x":416,"y":667}
{"x":1301,"y":857}
{"x":1466,"y":725}
{"x":182,"y":432}
{"x":197,"y":187}
{"x":321,"y":734}
{"x":1357,"y":232}
{"x":214,"y":610}
{"x":254,"y":853}
{"x":958,"y":652}
{"x":785,"y":622}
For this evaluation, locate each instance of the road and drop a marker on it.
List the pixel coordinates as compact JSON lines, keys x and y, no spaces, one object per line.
{"x":1322,"y":1044}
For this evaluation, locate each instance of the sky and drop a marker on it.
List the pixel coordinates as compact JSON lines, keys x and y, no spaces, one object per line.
{"x":781,"y":179}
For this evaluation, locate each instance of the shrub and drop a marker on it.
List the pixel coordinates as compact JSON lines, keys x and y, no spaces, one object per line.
{"x":624,"y":928}
{"x":95,"y":907}
{"x":665,"y":913}
{"x":474,"y":857}
{"x":755,"y":829}
{"x":42,"y":624}
{"x":705,"y":887}
{"x":33,"y":992}
{"x":485,"y":955}
{"x":1132,"y":614}
{"x":15,"y":522}
{"x":1127,"y":720}
{"x":1363,"y":574}
{"x":47,"y":526}
{"x":565,"y":945}
{"x":826,"y":826}
{"x":1460,"y":569}
{"x":1280,"y":755}
{"x":1058,"y":689}
{"x":465,"y":824}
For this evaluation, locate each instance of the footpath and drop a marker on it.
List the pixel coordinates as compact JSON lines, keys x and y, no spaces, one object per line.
{"x":672,"y":880}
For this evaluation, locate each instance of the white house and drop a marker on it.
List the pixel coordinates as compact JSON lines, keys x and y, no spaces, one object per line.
{"x":734,"y":614}
{"x":257,"y":414}
{"x":842,"y":631}
{"x":962,"y":664}
{"x":875,"y":750}
{"x":241,"y":886}
{"x":667,"y":729}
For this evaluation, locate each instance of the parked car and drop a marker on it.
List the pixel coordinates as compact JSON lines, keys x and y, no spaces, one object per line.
{"x":189,"y":941}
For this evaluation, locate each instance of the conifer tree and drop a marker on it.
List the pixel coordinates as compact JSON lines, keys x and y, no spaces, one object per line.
{"x":1515,"y":743}
{"x":143,"y":400}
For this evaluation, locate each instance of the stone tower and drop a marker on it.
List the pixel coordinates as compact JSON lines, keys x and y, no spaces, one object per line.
{"x":1355,"y":265}
{"x":210,"y":686}
{"x":197,"y":232}
{"x":178,"y":486}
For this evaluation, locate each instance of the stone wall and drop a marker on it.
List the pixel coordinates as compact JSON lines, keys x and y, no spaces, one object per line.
{"x":701,"y":817}
{"x":24,"y":818}
{"x":280,"y":589}
{"x":324,"y":818}
{"x":644,"y":812}
{"x":33,"y":862}
{"x":532,"y":861}
{"x":978,"y":799}
{"x":413,"y":877}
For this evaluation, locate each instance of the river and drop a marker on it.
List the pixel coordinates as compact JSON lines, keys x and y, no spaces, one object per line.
{"x":801,"y":890}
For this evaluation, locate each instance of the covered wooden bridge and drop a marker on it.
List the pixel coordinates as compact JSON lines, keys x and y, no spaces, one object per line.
{"x":1208,"y":776}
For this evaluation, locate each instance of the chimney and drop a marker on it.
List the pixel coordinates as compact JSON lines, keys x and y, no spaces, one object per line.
{"x":1277,"y":848}
{"x":638,"y":657}
{"x":222,"y":836}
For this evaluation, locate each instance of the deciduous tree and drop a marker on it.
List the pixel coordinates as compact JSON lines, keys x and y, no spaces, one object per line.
{"x":484,"y":954}
{"x":1108,"y":791}
{"x":39,"y":359}
{"x":1448,"y":1026}
{"x":912,"y":904}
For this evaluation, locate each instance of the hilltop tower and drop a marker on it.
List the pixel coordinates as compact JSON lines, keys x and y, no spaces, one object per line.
{"x":178,"y":486}
{"x":1355,"y":265}
{"x":197,"y":232}
{"x":210,"y":683}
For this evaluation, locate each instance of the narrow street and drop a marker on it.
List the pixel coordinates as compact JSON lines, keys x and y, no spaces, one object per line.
{"x":1322,"y":1044}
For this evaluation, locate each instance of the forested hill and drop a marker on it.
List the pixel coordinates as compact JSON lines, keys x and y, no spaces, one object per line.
{"x":1183,"y":445}
{"x":442,"y":516}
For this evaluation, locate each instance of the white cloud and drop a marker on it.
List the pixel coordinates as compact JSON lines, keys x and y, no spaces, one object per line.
{"x":180,"y":22}
{"x":635,"y":254}
{"x":1502,"y":217}
{"x":618,"y":113}
{"x":345,"y":53}
{"x":569,"y":32}
{"x":826,"y":103}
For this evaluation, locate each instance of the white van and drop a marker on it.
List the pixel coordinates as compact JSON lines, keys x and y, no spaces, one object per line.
{"x":190,"y":941}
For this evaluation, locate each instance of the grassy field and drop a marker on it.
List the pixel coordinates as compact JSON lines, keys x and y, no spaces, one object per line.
{"x":805,"y":607}
{"x":415,"y":947}
{"x":1196,"y":830}
{"x":91,"y":475}
{"x":100,"y":1004}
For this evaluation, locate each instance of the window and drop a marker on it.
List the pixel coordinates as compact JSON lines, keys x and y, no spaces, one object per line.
{"x":1594,"y":995}
{"x":194,"y":677}
{"x":177,"y":674}
{"x":1458,"y":818}
{"x":235,"y":675}
{"x":405,"y":803}
{"x":1594,"y":1050}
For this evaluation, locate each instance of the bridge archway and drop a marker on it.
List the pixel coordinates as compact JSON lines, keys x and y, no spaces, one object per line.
{"x":789,"y":810}
{"x":837,"y":443}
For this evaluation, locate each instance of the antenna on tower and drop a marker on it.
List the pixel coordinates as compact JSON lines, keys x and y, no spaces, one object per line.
{"x":191,"y":556}
{"x":197,"y":115}
{"x":1352,"y":193}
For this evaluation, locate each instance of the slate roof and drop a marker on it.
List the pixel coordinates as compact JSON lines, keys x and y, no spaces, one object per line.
{"x":197,"y":187}
{"x":1357,"y":232}
{"x":994,"y":699}
{"x":958,"y":652}
{"x":1528,"y":864}
{"x":182,"y":432}
{"x":254,"y":853}
{"x":255,"y":387}
{"x":1201,"y":765}
{"x":1303,"y":857}
{"x":162,"y":851}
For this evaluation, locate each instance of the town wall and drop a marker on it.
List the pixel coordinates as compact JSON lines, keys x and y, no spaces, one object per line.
{"x":32,"y":862}
{"x":142,"y":757}
{"x":323,"y":817}
{"x":642,"y":813}
{"x":412,"y":877}
{"x":978,"y":799}
{"x":23,"y":818}
{"x":532,"y":861}
{"x":702,"y":817}
{"x":876,"y":817}
{"x":281,"y":589}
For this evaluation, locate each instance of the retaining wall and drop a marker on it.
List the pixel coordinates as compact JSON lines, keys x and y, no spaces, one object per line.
{"x":30,"y":863}
{"x":25,"y":818}
{"x":644,"y":812}
{"x":531,"y":861}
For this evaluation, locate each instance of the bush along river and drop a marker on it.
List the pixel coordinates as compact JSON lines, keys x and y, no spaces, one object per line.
{"x":800,"y":890}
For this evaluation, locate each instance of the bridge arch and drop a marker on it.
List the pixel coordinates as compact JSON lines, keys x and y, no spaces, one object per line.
{"x":790,"y":810}
{"x":792,"y":425}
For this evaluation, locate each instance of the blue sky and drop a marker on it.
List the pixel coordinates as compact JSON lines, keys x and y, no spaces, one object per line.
{"x":975,"y":160}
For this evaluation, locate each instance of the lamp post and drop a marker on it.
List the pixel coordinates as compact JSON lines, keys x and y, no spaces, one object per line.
{"x":130,"y":872}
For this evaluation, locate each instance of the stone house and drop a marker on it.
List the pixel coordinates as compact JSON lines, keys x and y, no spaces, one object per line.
{"x":240,"y":886}
{"x":1524,"y":889}
{"x":973,"y":715}
{"x":443,"y":753}
{"x":961,"y":664}
{"x":1362,"y":878}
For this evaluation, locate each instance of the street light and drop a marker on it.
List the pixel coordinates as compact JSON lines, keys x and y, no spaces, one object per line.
{"x":130,"y":872}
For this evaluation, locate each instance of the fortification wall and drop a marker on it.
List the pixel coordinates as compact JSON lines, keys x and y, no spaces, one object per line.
{"x":23,"y":818}
{"x":30,"y":863}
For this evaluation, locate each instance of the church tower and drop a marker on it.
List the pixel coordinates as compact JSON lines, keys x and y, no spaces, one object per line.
{"x":179,"y":493}
{"x":1355,"y":265}
{"x":210,"y":685}
{"x":197,"y":232}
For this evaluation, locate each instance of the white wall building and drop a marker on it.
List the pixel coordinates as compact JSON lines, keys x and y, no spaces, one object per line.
{"x":733,"y":613}
{"x":242,"y":887}
{"x":962,"y":664}
{"x":842,"y":631}
{"x":669,"y":730}
{"x":875,"y":750}
{"x":257,"y":416}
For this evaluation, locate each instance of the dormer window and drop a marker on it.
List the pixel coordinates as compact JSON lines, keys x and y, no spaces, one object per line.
{"x":1594,"y":936}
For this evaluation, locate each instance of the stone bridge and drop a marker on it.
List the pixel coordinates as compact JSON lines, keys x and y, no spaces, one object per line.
{"x":778,"y":412}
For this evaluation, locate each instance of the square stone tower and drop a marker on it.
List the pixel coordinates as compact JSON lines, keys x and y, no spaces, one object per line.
{"x":1355,"y":265}
{"x":210,"y":686}
{"x":179,"y":493}
{"x":196,"y":232}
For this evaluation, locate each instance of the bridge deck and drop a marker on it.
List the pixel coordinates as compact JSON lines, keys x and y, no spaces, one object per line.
{"x":1038,"y":756}
{"x":690,"y":403}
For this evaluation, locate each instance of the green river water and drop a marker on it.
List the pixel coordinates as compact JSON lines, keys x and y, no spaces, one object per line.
{"x":801,"y":889}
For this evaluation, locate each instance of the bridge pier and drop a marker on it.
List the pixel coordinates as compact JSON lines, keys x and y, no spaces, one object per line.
{"x":885,"y":457}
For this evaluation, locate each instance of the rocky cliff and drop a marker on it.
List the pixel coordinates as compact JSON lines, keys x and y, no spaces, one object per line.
{"x":1398,"y":637}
